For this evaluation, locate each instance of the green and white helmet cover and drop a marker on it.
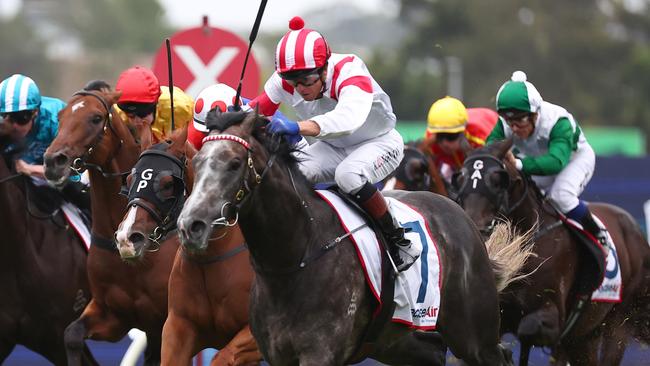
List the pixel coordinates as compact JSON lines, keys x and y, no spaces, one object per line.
{"x":518,"y":94}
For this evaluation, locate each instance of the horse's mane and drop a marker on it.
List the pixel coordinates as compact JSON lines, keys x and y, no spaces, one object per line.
{"x":218,"y":121}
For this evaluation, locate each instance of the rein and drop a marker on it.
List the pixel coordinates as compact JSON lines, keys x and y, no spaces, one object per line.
{"x":246,"y":192}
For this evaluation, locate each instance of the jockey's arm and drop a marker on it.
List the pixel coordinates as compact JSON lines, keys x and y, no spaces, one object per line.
{"x":35,"y":170}
{"x":350,"y":113}
{"x":560,"y":146}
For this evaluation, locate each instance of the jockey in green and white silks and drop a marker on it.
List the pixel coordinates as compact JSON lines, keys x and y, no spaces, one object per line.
{"x":550,"y":147}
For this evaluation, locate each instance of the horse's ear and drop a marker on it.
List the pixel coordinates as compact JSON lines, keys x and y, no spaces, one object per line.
{"x":112,"y":97}
{"x":178,"y":139}
{"x":503,"y":147}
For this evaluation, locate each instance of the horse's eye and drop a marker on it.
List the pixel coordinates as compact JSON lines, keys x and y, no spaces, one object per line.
{"x":97,"y":120}
{"x":234,"y":164}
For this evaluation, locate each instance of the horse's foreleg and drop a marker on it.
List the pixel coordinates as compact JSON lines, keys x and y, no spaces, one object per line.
{"x":94,"y":323}
{"x":415,"y":348}
{"x":241,"y":350}
{"x":524,"y":353}
{"x":152,"y":355}
{"x":583,"y":352}
{"x":179,"y":337}
{"x":5,"y":350}
{"x":614,"y":341}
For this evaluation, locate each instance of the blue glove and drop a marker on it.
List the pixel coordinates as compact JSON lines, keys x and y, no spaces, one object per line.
{"x":283,"y":127}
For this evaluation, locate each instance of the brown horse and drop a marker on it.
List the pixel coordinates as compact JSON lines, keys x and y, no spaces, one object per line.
{"x":536,"y":310}
{"x":124,"y":296}
{"x":209,"y":290}
{"x":43,"y":280}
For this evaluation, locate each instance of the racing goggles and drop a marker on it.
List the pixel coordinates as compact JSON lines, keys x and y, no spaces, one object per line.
{"x":304,"y":79}
{"x":515,"y":118}
{"x":140,"y":110}
{"x":442,"y":136}
{"x":20,"y":118}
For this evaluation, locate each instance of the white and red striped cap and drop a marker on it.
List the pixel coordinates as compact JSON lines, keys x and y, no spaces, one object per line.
{"x":301,"y":49}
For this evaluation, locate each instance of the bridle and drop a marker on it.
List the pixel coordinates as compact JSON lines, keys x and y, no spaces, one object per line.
{"x":245,"y":191}
{"x":80,"y":164}
{"x":166,"y":220}
{"x":500,"y":196}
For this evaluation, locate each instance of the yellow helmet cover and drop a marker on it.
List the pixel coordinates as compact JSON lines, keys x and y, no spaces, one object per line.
{"x":447,"y":115}
{"x":183,"y":112}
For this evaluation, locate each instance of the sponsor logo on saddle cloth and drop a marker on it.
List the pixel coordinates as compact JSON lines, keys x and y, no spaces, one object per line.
{"x":611,"y":287}
{"x":417,"y":290}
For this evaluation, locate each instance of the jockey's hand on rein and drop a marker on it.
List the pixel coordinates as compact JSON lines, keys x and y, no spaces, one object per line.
{"x":283,"y":127}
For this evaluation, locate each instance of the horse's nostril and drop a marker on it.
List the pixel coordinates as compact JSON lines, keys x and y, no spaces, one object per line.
{"x":197,"y":227}
{"x":136,"y":238}
{"x":60,"y":160}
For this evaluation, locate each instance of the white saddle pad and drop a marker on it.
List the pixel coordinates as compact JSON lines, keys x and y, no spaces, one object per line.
{"x":73,"y":216}
{"x":417,"y":290}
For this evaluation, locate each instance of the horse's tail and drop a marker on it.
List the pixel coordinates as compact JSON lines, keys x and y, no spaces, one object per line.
{"x":508,"y":251}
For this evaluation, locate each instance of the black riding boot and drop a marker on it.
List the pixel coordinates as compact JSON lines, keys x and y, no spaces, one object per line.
{"x":590,"y":225}
{"x":400,"y":248}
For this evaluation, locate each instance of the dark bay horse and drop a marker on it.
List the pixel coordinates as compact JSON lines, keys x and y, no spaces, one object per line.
{"x":311,"y":307}
{"x":43,"y":280}
{"x":124,"y":296}
{"x":536,"y":310}
{"x":208,"y":290}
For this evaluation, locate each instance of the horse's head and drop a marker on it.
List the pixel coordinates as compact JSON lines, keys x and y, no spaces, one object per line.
{"x":412,"y":174}
{"x":81,"y":126}
{"x":157,"y":187}
{"x":230,"y":166}
{"x":488,"y":187}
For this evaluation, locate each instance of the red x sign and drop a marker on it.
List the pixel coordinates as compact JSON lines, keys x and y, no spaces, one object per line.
{"x":204,"y":56}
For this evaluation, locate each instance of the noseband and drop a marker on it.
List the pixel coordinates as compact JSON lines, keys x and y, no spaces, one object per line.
{"x":245,"y":191}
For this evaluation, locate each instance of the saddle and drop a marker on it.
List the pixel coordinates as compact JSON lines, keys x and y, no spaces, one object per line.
{"x":592,"y":265}
{"x":387,"y":308}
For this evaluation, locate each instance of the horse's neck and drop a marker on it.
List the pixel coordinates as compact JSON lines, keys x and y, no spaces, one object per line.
{"x":279,"y":222}
{"x":13,"y":214}
{"x":108,"y":205}
{"x":531,"y":212}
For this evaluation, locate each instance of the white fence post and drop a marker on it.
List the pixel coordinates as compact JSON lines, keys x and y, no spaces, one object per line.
{"x":137,"y":347}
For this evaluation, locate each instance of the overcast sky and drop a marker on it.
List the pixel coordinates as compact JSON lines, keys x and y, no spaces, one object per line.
{"x":239,"y":15}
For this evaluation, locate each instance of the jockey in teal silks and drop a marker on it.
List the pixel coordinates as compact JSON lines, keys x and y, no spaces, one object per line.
{"x":33,"y":123}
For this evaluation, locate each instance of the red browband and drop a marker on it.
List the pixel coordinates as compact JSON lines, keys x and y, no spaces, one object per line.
{"x":227,"y":138}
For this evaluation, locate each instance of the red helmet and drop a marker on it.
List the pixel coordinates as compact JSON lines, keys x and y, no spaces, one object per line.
{"x":301,"y":49}
{"x":138,"y":85}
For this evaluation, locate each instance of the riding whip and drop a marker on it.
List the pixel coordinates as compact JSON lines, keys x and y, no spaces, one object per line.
{"x":251,"y":39}
{"x":171,"y":79}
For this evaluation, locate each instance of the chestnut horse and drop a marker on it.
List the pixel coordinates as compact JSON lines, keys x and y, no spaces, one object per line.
{"x":537,"y":310}
{"x":208,"y":290}
{"x":124,"y":296}
{"x":310,"y":304}
{"x":43,"y":280}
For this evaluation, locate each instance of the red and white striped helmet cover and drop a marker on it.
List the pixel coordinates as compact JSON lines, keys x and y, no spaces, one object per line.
{"x":300,"y":49}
